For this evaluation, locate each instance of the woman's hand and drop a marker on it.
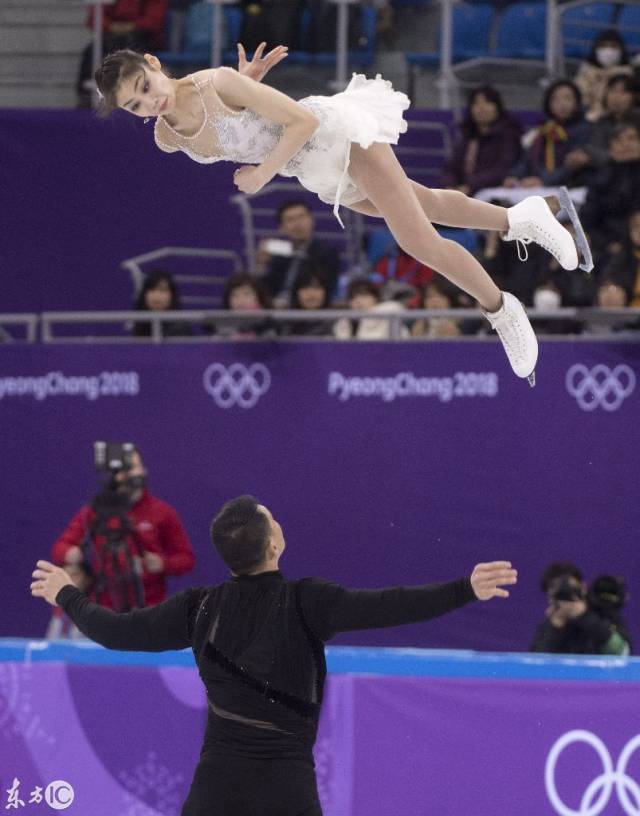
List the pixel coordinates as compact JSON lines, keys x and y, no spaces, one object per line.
{"x":259,"y":65}
{"x":250,"y":180}
{"x":486,"y":579}
{"x":49,"y":581}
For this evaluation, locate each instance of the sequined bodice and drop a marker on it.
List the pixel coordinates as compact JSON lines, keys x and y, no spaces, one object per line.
{"x":225,"y":134}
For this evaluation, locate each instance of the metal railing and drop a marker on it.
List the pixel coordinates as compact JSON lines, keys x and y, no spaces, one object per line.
{"x":254,"y":207}
{"x":28,"y":322}
{"x":50,"y":322}
{"x":134,"y":267}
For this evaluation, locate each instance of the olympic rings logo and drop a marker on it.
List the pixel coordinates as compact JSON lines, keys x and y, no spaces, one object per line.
{"x":237,"y":384}
{"x":600,"y":386}
{"x":598,"y":792}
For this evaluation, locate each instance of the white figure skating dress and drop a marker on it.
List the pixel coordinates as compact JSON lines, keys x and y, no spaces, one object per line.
{"x":368,"y":111}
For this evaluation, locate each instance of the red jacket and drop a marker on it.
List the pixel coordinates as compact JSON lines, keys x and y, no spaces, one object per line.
{"x":148,"y":16}
{"x":158,"y":530}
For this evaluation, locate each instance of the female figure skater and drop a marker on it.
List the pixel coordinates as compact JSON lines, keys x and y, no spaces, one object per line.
{"x":338,"y":147}
{"x":258,"y":641}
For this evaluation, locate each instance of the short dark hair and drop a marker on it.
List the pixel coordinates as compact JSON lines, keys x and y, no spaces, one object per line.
{"x":562,"y":83}
{"x":151,"y":281}
{"x":240,"y":532}
{"x":559,"y":569}
{"x":609,"y":35}
{"x":289,"y":205}
{"x":309,"y":275}
{"x":115,"y":68}
{"x":363,"y":286}
{"x":239,"y":279}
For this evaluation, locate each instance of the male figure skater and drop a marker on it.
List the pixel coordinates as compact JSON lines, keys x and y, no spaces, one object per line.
{"x":258,"y":643}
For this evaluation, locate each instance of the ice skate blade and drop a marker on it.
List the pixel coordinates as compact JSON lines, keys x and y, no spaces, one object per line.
{"x":582,"y":244}
{"x":531,"y":379}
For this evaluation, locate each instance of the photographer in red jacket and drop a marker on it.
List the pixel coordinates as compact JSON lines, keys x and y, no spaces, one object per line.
{"x":126,"y":542}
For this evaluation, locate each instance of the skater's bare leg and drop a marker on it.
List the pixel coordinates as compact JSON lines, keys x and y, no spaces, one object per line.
{"x":450,"y":208}
{"x":377,"y":172}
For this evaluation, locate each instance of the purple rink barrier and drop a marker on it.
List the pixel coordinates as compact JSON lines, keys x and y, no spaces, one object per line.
{"x":388,"y":463}
{"x":99,"y":740}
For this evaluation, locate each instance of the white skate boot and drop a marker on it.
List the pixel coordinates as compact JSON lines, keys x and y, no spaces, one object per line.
{"x":532,"y":220}
{"x":517,"y":336}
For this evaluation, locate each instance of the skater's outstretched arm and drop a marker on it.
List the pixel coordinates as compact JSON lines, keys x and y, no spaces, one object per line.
{"x":330,"y":608}
{"x":154,"y":629}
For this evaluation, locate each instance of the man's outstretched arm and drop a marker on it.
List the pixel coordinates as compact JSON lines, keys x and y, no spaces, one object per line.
{"x":153,"y":629}
{"x":331,"y":608}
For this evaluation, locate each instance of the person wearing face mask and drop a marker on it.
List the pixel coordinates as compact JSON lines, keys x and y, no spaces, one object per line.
{"x":125,"y":543}
{"x":608,"y":57}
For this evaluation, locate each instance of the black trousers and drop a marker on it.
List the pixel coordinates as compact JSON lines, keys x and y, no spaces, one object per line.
{"x":238,"y":786}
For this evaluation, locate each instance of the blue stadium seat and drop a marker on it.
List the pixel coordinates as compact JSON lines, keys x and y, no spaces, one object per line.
{"x":471,"y":29}
{"x":630,"y":16}
{"x":360,"y":58}
{"x":197,"y":31}
{"x":580,"y":25}
{"x":522,"y":31}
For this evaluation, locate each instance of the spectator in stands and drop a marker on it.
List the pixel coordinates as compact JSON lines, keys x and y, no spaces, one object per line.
{"x":608,"y":57}
{"x":623,"y":265}
{"x":619,"y":108}
{"x":614,"y":192}
{"x":244,"y":293}
{"x":607,"y":597}
{"x":488,"y":147}
{"x":397,"y":265}
{"x":310,"y":292}
{"x":611,"y":294}
{"x":438,"y":294}
{"x":124,"y":533}
{"x":135,"y":24}
{"x":160,"y":294}
{"x":364,"y":295}
{"x":570,"y":626}
{"x":282,"y":260}
{"x":550,"y":149}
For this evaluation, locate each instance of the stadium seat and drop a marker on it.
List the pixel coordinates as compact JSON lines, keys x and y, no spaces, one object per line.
{"x":471,"y":29}
{"x":580,"y":25}
{"x":197,"y":29}
{"x":630,"y":16}
{"x":522,"y":32}
{"x":361,"y":57}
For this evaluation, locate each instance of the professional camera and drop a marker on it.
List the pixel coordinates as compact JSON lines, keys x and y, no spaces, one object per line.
{"x":565,"y":590}
{"x":112,"y":550}
{"x":112,"y":457}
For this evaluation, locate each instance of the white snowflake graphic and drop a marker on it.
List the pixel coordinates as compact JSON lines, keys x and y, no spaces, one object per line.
{"x":151,"y":781}
{"x":16,"y":704}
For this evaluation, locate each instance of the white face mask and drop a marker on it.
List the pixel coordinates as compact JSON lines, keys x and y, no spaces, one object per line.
{"x":608,"y":55}
{"x":546,"y":299}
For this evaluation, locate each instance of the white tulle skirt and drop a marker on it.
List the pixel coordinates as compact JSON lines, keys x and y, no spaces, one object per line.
{"x":367,"y":111}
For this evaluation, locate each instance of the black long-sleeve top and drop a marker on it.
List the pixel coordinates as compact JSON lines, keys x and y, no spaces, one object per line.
{"x":258,"y":644}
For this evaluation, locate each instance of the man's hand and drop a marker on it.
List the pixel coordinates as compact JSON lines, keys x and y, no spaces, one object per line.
{"x":153,"y":562}
{"x":259,"y":65}
{"x":250,"y":179}
{"x":486,"y":579}
{"x":49,"y":581}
